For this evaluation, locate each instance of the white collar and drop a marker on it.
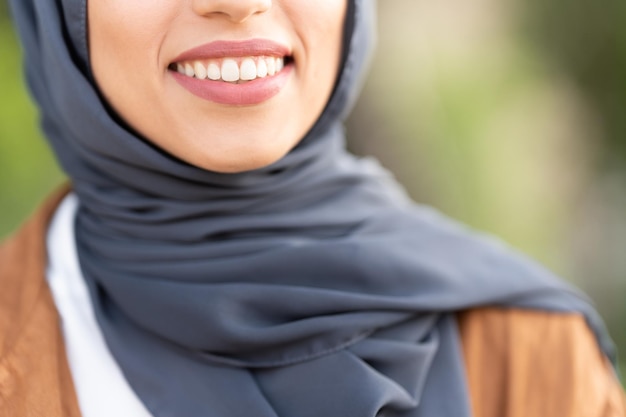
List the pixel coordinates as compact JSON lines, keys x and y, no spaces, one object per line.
{"x":100,"y":385}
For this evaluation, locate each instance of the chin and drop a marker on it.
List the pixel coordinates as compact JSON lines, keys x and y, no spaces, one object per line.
{"x":240,"y":162}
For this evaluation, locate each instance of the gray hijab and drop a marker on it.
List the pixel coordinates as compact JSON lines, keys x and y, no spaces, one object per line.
{"x":309,"y":288}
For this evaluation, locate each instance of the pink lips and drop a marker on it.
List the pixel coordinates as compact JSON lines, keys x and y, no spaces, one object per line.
{"x":249,"y":93}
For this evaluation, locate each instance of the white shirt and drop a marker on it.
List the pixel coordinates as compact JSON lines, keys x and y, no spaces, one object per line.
{"x":100,"y":385}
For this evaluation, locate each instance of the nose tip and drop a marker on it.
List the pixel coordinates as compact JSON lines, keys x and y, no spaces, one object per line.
{"x":236,"y":11}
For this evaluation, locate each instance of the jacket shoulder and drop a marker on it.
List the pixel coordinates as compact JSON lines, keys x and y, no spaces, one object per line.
{"x":535,"y":363}
{"x":23,"y":262}
{"x":34,"y":374}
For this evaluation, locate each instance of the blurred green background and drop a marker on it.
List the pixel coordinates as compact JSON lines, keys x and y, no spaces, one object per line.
{"x":509,"y":115}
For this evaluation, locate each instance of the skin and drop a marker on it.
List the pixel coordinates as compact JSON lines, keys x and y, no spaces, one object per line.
{"x":132,"y":43}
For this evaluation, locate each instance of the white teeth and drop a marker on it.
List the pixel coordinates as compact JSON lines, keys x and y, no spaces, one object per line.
{"x":247,"y":70}
{"x":271,"y":66}
{"x":200,"y":70}
{"x":230,"y":70}
{"x":261,"y":69}
{"x":214,"y":72}
{"x":189,"y":70}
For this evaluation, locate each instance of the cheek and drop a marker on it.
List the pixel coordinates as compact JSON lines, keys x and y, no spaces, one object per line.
{"x":321,"y":26}
{"x":123,"y":34}
{"x":327,"y":31}
{"x":124,"y":44}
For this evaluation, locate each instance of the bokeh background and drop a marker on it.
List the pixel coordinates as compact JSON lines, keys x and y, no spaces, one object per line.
{"x":509,"y":115}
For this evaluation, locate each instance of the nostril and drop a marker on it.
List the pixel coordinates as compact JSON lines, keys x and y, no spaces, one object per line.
{"x":234,"y":11}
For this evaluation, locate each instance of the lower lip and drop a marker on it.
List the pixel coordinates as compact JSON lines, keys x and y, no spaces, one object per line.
{"x":246,"y":94}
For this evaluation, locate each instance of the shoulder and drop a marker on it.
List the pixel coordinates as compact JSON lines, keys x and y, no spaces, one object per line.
{"x":535,"y":363}
{"x":22,"y":271}
{"x":34,"y":376}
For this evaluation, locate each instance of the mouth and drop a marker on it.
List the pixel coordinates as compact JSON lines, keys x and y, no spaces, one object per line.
{"x":234,"y":70}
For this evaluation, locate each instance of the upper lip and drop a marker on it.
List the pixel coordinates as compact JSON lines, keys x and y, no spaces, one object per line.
{"x":223,"y":49}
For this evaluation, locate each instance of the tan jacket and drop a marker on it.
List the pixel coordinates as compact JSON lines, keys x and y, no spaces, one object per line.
{"x":519,"y":363}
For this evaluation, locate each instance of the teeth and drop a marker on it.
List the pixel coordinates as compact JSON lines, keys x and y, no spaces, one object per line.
{"x":214,"y":72}
{"x":261,"y":69}
{"x":189,"y":70}
{"x":247,"y":70}
{"x":230,"y":70}
{"x":200,"y":70}
{"x":271,"y":66}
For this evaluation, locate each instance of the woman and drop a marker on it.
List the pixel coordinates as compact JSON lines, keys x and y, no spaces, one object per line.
{"x":220,"y":253}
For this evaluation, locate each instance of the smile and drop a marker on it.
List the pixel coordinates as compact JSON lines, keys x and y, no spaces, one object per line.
{"x":239,"y":73}
{"x":232,"y":70}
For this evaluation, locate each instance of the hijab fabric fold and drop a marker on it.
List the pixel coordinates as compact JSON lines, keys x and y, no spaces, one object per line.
{"x":310,"y":287}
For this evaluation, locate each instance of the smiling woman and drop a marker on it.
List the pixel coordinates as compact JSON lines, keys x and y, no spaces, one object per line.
{"x":277,"y":59}
{"x":219,"y":252}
